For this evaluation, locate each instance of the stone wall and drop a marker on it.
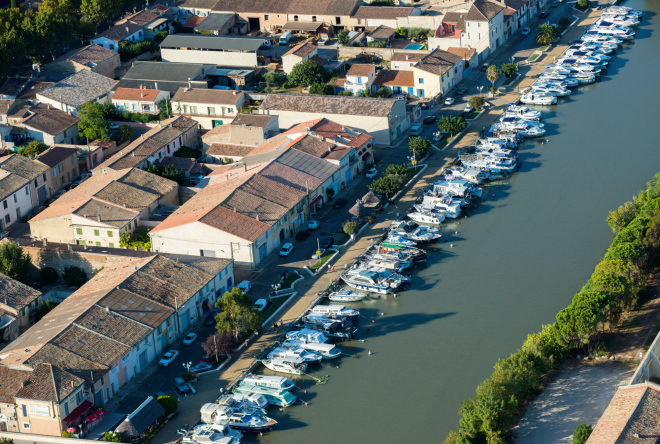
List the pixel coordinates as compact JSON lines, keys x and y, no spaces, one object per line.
{"x":350,"y":52}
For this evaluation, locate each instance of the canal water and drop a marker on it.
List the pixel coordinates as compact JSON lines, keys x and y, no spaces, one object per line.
{"x":514,"y":264}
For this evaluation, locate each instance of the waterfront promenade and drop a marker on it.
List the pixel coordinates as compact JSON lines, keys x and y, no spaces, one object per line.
{"x":311,"y":286}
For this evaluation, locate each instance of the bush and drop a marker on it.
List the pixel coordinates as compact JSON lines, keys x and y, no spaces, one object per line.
{"x":452,"y":125}
{"x":129,"y":51}
{"x":45,"y":308}
{"x":342,"y":36}
{"x":402,"y":32}
{"x":32,"y":149}
{"x":188,"y":153}
{"x":321,"y":89}
{"x":169,"y":403}
{"x":351,"y":227}
{"x":274,"y":78}
{"x":160,"y":36}
{"x":377,"y":44}
{"x":48,"y":275}
{"x":307,"y":73}
{"x":508,"y":69}
{"x":74,"y":276}
{"x":563,"y":23}
{"x":583,"y":4}
{"x":419,"y":145}
{"x":113,"y":437}
{"x":476,"y":102}
{"x":582,"y":433}
{"x":419,"y":34}
{"x":123,"y":133}
{"x":140,"y":240}
{"x":345,"y":93}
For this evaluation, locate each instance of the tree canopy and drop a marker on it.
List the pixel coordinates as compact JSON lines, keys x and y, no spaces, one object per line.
{"x":419,"y":145}
{"x":239,"y":316}
{"x":93,"y":124}
{"x":307,"y":73}
{"x":32,"y":149}
{"x":546,"y":34}
{"x":14,"y":262}
{"x":452,"y":125}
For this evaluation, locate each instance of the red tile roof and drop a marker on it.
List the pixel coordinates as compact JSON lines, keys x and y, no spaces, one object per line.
{"x":395,"y":78}
{"x":331,"y":130}
{"x":141,"y":94}
{"x":360,"y":70}
{"x":49,"y":383}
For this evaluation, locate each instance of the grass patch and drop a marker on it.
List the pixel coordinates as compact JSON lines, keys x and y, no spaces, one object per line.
{"x":509,"y":80}
{"x":277,"y":303}
{"x":533,"y":57}
{"x":442,"y":143}
{"x":544,"y":48}
{"x":294,"y":276}
{"x":472,"y":114}
{"x":324,"y":258}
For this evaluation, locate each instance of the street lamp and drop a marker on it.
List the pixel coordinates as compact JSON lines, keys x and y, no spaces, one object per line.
{"x":480,"y":88}
{"x":276,"y":287}
{"x":187,"y":366}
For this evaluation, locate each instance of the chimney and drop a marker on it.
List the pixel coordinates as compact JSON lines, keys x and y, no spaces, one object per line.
{"x":98,"y":217}
{"x":142,"y":136}
{"x":155,"y":85}
{"x":235,"y":93}
{"x":407,"y":56}
{"x":189,"y":83}
{"x":128,"y":31}
{"x":245,"y":167}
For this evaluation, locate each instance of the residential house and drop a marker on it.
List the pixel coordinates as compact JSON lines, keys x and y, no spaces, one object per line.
{"x":161,"y":141}
{"x":245,"y":129}
{"x":359,"y":78}
{"x":220,"y":24}
{"x":381,"y":33}
{"x":404,"y":61}
{"x":469,"y":56}
{"x":142,"y":25}
{"x":209,"y":107}
{"x":12,"y":111}
{"x":62,"y":163}
{"x":232,"y":51}
{"x":106,"y":333}
{"x":17,"y":303}
{"x":200,"y":8}
{"x":395,"y":81}
{"x":481,"y":27}
{"x":94,"y":58}
{"x":11,"y":381}
{"x":33,"y":87}
{"x":76,"y":90}
{"x":384,"y":119}
{"x":13,"y":86}
{"x":297,"y":54}
{"x":166,"y":76}
{"x":102,"y":208}
{"x":437,"y":73}
{"x":49,"y":125}
{"x":220,"y":152}
{"x":23,"y":186}
{"x":139,"y":100}
{"x":375,"y":16}
{"x":516,"y":15}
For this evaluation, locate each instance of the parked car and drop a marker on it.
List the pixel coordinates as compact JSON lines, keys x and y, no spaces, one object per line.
{"x":485,"y":66}
{"x":201,"y":367}
{"x":326,"y":241}
{"x":210,"y":320}
{"x":4,"y":234}
{"x":468,"y":109}
{"x":372,"y":173}
{"x":339,"y":203}
{"x":61,"y":193}
{"x":261,"y":304}
{"x":543,"y":15}
{"x":416,"y":130}
{"x":429,"y":119}
{"x":525,"y":31}
{"x":189,"y":339}
{"x":461,"y":90}
{"x":449,"y":101}
{"x":206,"y":358}
{"x":245,"y":286}
{"x":168,"y":358}
{"x":197,"y":178}
{"x":302,"y":235}
{"x":312,"y":224}
{"x":286,"y":249}
{"x":181,"y":385}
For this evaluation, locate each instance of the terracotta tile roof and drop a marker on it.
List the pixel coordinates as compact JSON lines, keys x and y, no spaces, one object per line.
{"x":238,"y":224}
{"x":136,"y":94}
{"x":16,"y":294}
{"x":49,"y":383}
{"x":258,"y":120}
{"x":302,"y":50}
{"x":212,"y":96}
{"x":93,"y":346}
{"x":483,"y":11}
{"x":395,"y":78}
{"x":10,"y":383}
{"x":71,"y":362}
{"x":141,"y":309}
{"x":229,"y":150}
{"x":360,"y":70}
{"x":22,"y":166}
{"x":49,"y":120}
{"x":10,"y":183}
{"x":188,"y":165}
{"x":383,"y":12}
{"x":112,"y":326}
{"x":6,"y":105}
{"x":438,"y":62}
{"x":53,"y":156}
{"x":331,"y":130}
{"x":312,"y":145}
{"x":407,"y":57}
{"x":105,"y":213}
{"x":193,"y":22}
{"x":90,"y":55}
{"x":292,"y":177}
{"x":631,"y":417}
{"x":141,"y":18}
{"x":464,"y":53}
{"x":306,"y":103}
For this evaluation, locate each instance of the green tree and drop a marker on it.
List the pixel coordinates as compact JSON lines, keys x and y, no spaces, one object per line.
{"x":168,"y":172}
{"x":419,"y":145}
{"x":274,"y":78}
{"x":14,"y":262}
{"x":622,"y":216}
{"x":419,"y":34}
{"x":345,"y":93}
{"x":583,"y":4}
{"x":32,"y":149}
{"x":13,"y":4}
{"x":188,"y":153}
{"x":123,"y":133}
{"x":4,"y":440}
{"x":239,"y":315}
{"x":74,"y":276}
{"x":95,"y":11}
{"x":342,"y":36}
{"x":492,"y":73}
{"x":389,"y":185}
{"x":476,"y":102}
{"x":377,"y":44}
{"x":307,"y":73}
{"x":321,"y":89}
{"x":93,"y":124}
{"x":140,"y":240}
{"x":402,"y":32}
{"x":383,"y":92}
{"x":48,"y":275}
{"x":582,"y":432}
{"x":508,"y":69}
{"x":452,"y":125}
{"x":351,"y":227}
{"x":165,"y":107}
{"x":169,"y":403}
{"x":44,"y":308}
{"x":394,"y":169}
{"x":563,"y":23}
{"x":546,"y":34}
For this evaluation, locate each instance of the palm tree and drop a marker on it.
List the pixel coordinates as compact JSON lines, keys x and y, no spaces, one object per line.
{"x":492,"y":73}
{"x":546,"y":34}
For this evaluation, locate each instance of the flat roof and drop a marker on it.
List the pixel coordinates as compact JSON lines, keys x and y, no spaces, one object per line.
{"x":212,"y":42}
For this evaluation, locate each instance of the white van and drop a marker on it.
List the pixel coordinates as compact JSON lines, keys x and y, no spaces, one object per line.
{"x":284,"y":38}
{"x":261,"y":304}
{"x":245,"y":286}
{"x":416,"y":130}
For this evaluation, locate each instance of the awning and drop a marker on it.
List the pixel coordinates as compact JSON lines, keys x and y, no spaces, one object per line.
{"x":95,"y":416}
{"x":302,"y":26}
{"x":366,"y":156}
{"x":316,"y":201}
{"x":73,"y":417}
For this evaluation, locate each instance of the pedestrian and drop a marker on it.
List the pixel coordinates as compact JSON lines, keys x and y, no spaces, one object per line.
{"x":246,"y":342}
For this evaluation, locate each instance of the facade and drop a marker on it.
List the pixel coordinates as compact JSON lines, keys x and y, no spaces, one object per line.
{"x":76,"y":90}
{"x":142,"y":25}
{"x":209,"y":107}
{"x":297,"y":54}
{"x":23,"y":186}
{"x":437,"y":73}
{"x":374,"y":16}
{"x":240,"y":52}
{"x":166,"y":76}
{"x":404,"y":61}
{"x":50,"y":125}
{"x":395,"y":81}
{"x":360,"y":78}
{"x":19,"y":302}
{"x":384,"y":119}
{"x":139,"y":100}
{"x":94,"y":58}
{"x":11,"y":381}
{"x":102,"y":208}
{"x":62,"y":163}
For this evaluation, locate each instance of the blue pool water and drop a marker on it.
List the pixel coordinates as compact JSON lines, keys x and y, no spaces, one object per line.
{"x":414,"y":46}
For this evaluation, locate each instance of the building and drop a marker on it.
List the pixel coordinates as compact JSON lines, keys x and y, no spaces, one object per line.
{"x":395,"y":81}
{"x":139,"y":100}
{"x":76,"y":90}
{"x":374,"y":16}
{"x":94,"y":58}
{"x":161,"y":141}
{"x":381,"y":33}
{"x":222,"y":51}
{"x":17,"y":303}
{"x":209,"y":107}
{"x":143,"y":25}
{"x":23,"y":186}
{"x":404,"y":61}
{"x":297,"y":54}
{"x":384,"y":119}
{"x":199,"y":8}
{"x":49,"y":125}
{"x":11,"y":382}
{"x":166,"y":76}
{"x":104,"y":334}
{"x":62,"y":163}
{"x":359,"y":78}
{"x":246,"y":130}
{"x":220,"y":24}
{"x":437,"y":73}
{"x":103,"y":207}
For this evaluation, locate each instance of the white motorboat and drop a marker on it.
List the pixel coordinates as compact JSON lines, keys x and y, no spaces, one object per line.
{"x":373,"y":279}
{"x":306,"y":355}
{"x":346,"y":296}
{"x":282,"y":398}
{"x":472,"y":175}
{"x":426,"y":217}
{"x":442,"y":203}
{"x":398,"y":239}
{"x":291,"y":365}
{"x":246,"y":422}
{"x":458,"y":186}
{"x":551,"y":90}
{"x":535,"y":98}
{"x":217,"y":433}
{"x":248,"y":401}
{"x":593,"y":36}
{"x":327,"y":351}
{"x":388,"y":264}
{"x":337,"y":311}
{"x":277,"y":382}
{"x":307,"y":335}
{"x":614,"y":31}
{"x":522,"y":112}
{"x":416,"y":233}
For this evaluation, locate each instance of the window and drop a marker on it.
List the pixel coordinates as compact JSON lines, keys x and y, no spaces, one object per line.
{"x":469,"y":35}
{"x":211,"y":110}
{"x":135,"y":224}
{"x":97,"y":233}
{"x":36,"y":183}
{"x":479,"y":36}
{"x":102,"y":379}
{"x":193,"y":109}
{"x":455,"y":70}
{"x":98,"y":244}
{"x":109,"y":233}
{"x":313,"y":18}
{"x":295,"y":18}
{"x":55,"y":171}
{"x":337,"y":20}
{"x":66,"y":409}
{"x":15,"y":199}
{"x":7,"y":219}
{"x":24,"y":409}
{"x":421,"y":80}
{"x":266,"y":17}
{"x":26,"y":425}
{"x":111,"y":245}
{"x":27,"y":191}
{"x":79,"y":397}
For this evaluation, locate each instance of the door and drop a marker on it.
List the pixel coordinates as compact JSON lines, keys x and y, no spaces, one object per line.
{"x":411,"y":90}
{"x":254,"y":23}
{"x":143,"y":359}
{"x":41,"y":194}
{"x":262,"y":251}
{"x":348,"y":176}
{"x":185,"y":320}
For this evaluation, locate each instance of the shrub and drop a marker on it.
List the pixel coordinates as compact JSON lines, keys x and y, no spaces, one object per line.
{"x":307,"y":73}
{"x":169,"y":403}
{"x":377,"y":44}
{"x":342,"y":36}
{"x":188,"y":153}
{"x":113,"y":437}
{"x":583,"y":4}
{"x":48,"y":275}
{"x":351,"y":227}
{"x":160,"y":36}
{"x":582,"y":433}
{"x":123,"y":133}
{"x":32,"y":149}
{"x":476,"y":102}
{"x":419,"y":145}
{"x":130,"y":51}
{"x":345,"y":93}
{"x":140,"y":240}
{"x":74,"y":276}
{"x":273,"y":78}
{"x":452,"y":125}
{"x":321,"y":89}
{"x":563,"y":23}
{"x":402,"y":32}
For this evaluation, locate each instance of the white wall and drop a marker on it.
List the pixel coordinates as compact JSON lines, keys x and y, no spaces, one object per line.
{"x":107,"y":43}
{"x":17,"y":205}
{"x":220,"y":58}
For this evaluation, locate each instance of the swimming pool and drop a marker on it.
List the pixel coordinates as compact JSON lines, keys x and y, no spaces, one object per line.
{"x":414,"y":46}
